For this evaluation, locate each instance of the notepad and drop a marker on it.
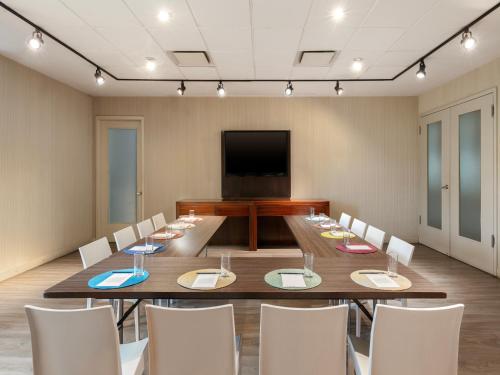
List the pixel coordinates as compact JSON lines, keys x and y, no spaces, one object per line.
{"x":144,"y":248}
{"x":164,"y":235}
{"x":358,"y":247}
{"x":205,"y":281}
{"x":293,"y":281}
{"x":116,"y":279}
{"x":383,"y":281}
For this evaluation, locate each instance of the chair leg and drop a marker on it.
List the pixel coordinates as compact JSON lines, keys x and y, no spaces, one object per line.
{"x":137,"y":323}
{"x":358,"y":321}
{"x":89,"y":303}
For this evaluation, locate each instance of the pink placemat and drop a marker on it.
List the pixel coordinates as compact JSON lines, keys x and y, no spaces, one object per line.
{"x":343,"y":248}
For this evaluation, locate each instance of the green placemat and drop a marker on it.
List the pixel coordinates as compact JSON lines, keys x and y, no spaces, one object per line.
{"x":273,"y":278}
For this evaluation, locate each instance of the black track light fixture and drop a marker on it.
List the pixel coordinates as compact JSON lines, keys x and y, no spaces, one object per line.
{"x":289,"y":89}
{"x":36,"y":40}
{"x":421,"y":73}
{"x":99,"y":79}
{"x":468,"y":42}
{"x":181,"y":89}
{"x":339,"y":90}
{"x":220,"y":89}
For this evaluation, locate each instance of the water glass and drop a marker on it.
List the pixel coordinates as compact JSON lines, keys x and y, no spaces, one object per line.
{"x":333,"y":224}
{"x":308,"y":264}
{"x":139,"y":264}
{"x":311,"y":212}
{"x":225,"y":265}
{"x":191,"y":214}
{"x":392,"y":264}
{"x":149,"y":244}
{"x":347,"y":236}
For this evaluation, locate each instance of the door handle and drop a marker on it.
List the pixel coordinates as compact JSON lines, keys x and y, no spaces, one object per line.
{"x":445,"y":187}
{"x":139,"y":193}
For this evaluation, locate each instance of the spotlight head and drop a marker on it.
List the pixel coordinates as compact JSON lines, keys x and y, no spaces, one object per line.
{"x":99,"y":79}
{"x":220,"y":89}
{"x":339,"y":90}
{"x":468,"y":42}
{"x":150,"y":64}
{"x":289,"y":89}
{"x":163,"y":16}
{"x":421,"y":73}
{"x":357,"y":64}
{"x":36,"y":40}
{"x":181,"y":89}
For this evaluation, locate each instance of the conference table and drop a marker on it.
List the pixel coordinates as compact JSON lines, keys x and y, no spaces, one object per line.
{"x":182,"y":255}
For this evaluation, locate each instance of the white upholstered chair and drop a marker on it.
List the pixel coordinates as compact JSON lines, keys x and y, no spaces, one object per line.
{"x":124,"y":237}
{"x":345,"y":220}
{"x":358,"y":227}
{"x":192,"y":341}
{"x":159,"y":221}
{"x":95,"y":252}
{"x":403,"y":249}
{"x":410,"y":341}
{"x":296,"y":341}
{"x":375,"y":236}
{"x":145,"y":228}
{"x":81,"y":342}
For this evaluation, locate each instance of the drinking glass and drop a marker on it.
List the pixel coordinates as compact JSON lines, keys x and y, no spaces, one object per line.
{"x":191,"y":214}
{"x":347,"y":236}
{"x":311,"y":212}
{"x":392,"y":264}
{"x":149,"y":244}
{"x":225,"y":265}
{"x":139,"y":264}
{"x":308,"y":264}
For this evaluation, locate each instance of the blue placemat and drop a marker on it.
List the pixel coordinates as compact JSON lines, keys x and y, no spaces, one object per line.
{"x":158,"y":250}
{"x":93,"y":282}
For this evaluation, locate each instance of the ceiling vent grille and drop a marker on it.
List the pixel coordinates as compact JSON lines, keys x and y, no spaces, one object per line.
{"x":315,"y":58}
{"x":190,"y":58}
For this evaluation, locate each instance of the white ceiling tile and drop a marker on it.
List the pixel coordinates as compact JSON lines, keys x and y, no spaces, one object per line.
{"x":221,"y":13}
{"x":374,"y":39}
{"x":355,"y":12}
{"x":279,"y":13}
{"x":398,"y":58}
{"x":199,"y":73}
{"x":277,"y":57}
{"x":277,"y":39}
{"x":272,"y":72}
{"x":178,"y":38}
{"x":229,"y":39}
{"x":235,"y":64}
{"x":382,"y":71}
{"x":309,"y":72}
{"x":325,"y":37}
{"x":147,"y":12}
{"x":103,"y":14}
{"x":397,"y":13}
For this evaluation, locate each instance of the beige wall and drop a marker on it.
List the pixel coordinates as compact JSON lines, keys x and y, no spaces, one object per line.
{"x":46,"y":169}
{"x":360,"y":153}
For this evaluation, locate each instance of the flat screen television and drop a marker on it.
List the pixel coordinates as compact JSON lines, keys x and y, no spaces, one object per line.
{"x":255,"y":163}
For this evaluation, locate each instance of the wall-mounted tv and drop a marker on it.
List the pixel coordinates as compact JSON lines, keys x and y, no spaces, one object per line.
{"x":255,"y":163}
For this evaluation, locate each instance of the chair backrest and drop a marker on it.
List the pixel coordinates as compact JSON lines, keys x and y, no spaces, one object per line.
{"x":95,"y":252}
{"x":358,"y":228}
{"x":415,"y":341}
{"x":175,"y":335}
{"x":159,"y":221}
{"x":402,"y":248}
{"x":375,"y":236}
{"x":345,"y":220}
{"x":124,"y":237}
{"x":302,"y":341}
{"x":145,"y":228}
{"x":76,"y":342}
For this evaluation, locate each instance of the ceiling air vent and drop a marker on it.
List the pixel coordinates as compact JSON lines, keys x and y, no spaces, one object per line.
{"x":315,"y":58}
{"x":190,"y":58}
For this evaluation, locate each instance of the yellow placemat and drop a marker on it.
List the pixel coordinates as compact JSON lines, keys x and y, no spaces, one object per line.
{"x":187,"y":279}
{"x":337,"y":235}
{"x":361,"y":279}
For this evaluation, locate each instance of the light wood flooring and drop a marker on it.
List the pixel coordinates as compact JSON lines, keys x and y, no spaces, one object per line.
{"x":479,"y":341}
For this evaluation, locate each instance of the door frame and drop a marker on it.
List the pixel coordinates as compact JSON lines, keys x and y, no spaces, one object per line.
{"x":98,"y":202}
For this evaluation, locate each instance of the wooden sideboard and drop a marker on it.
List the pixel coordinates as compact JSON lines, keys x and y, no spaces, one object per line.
{"x":251,"y":210}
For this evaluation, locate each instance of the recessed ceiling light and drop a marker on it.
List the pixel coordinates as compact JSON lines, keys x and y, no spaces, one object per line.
{"x":338,"y":14}
{"x":150,"y":64}
{"x":164,"y":15}
{"x":36,"y":40}
{"x":357,"y":64}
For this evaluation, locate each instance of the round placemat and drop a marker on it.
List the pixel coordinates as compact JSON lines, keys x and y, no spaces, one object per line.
{"x":273,"y":278}
{"x":181,"y":225}
{"x":187,"y":279}
{"x":336,"y":235}
{"x":321,"y":226}
{"x":162,"y":247}
{"x":96,"y":280}
{"x":162,"y":235}
{"x":361,"y":279}
{"x":189,"y":219}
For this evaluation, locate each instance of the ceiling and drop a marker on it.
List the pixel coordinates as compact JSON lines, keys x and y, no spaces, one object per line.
{"x":250,"y":39}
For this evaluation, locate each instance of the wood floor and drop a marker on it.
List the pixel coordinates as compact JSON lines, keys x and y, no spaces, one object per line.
{"x":479,"y":341}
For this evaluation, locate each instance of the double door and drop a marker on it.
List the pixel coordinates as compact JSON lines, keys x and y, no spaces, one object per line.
{"x":458,"y":182}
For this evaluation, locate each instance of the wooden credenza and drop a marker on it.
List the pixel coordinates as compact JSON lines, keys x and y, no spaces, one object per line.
{"x":250,"y":213}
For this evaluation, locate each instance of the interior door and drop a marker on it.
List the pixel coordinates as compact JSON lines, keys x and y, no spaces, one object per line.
{"x":434,"y":228}
{"x":119,"y":179}
{"x":472,"y":183}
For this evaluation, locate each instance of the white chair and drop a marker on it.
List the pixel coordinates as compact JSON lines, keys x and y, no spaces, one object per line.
{"x":124,"y":237}
{"x":81,"y":342}
{"x":192,"y":341}
{"x":358,"y":227}
{"x":410,"y":341}
{"x":403,"y":249}
{"x":95,"y":252}
{"x":345,"y":220}
{"x":145,"y":228}
{"x":159,"y":221}
{"x":302,"y":341}
{"x":375,"y":236}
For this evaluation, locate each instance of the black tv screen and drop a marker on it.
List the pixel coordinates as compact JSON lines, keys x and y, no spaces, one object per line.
{"x":256,"y":153}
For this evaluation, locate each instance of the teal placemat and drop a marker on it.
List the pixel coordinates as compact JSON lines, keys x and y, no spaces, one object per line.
{"x":273,"y":278}
{"x":96,"y":280}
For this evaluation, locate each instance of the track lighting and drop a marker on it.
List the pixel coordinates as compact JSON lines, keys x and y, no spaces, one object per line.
{"x":339,"y":89}
{"x":468,"y":41}
{"x":36,"y":40}
{"x":98,"y":77}
{"x":150,"y":64}
{"x":289,"y":89}
{"x":421,"y":73}
{"x":163,"y":16}
{"x":220,"y":89}
{"x":357,"y":64}
{"x":181,"y":89}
